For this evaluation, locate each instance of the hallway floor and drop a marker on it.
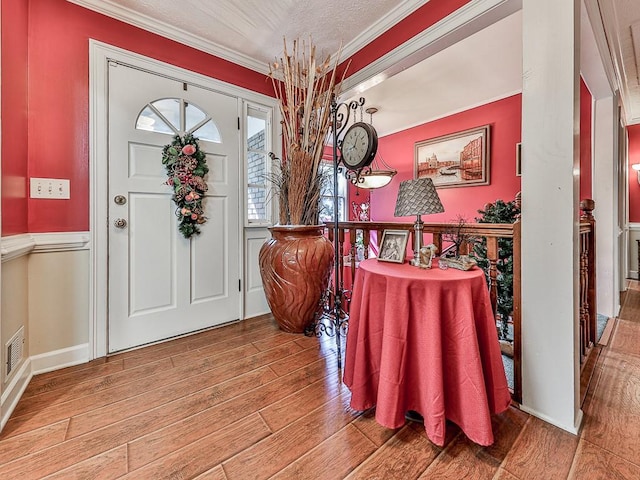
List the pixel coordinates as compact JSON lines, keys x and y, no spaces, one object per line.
{"x":247,"y":401}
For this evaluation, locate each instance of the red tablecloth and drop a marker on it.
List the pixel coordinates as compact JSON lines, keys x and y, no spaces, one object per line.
{"x":425,"y":340}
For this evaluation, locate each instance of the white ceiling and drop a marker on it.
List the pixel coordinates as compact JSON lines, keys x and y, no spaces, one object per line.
{"x":483,"y":67}
{"x":478,"y":69}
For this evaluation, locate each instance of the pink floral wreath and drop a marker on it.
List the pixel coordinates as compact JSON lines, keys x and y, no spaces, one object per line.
{"x":186,"y":167}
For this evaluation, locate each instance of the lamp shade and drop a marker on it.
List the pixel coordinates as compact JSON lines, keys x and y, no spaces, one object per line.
{"x":417,"y":197}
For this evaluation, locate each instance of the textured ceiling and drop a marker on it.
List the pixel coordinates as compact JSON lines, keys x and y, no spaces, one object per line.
{"x":251,"y":32}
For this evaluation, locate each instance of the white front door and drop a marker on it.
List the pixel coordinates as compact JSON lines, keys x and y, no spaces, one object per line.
{"x":161,"y":284}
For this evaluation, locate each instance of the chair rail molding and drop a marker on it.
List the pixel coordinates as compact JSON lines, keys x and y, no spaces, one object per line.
{"x":16,"y":246}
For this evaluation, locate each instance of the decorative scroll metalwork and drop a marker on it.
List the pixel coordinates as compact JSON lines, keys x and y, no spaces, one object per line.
{"x":334,"y":319}
{"x":356,"y":176}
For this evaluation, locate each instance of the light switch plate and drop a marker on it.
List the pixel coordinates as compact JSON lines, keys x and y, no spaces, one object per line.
{"x":51,"y":188}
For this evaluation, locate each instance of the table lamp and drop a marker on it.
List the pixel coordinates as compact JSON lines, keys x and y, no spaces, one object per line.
{"x":417,"y":197}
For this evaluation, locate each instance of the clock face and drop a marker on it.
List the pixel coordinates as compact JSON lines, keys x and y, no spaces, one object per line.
{"x":359,"y":145}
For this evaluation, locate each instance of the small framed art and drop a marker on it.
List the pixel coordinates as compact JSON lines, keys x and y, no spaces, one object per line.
{"x":393,"y":246}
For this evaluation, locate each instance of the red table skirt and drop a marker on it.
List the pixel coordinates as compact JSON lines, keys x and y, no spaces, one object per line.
{"x":425,"y":340}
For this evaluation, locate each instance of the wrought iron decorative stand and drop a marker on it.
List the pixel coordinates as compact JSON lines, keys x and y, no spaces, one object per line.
{"x":334,"y":320}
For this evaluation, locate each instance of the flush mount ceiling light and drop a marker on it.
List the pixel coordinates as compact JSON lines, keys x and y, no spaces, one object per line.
{"x":376,"y":175}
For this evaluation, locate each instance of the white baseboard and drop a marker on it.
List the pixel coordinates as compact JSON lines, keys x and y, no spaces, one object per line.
{"x":574,"y":429}
{"x":13,"y":392}
{"x":35,"y":365}
{"x":66,"y":357}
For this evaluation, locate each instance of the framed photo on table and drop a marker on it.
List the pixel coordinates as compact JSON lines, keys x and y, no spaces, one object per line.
{"x":393,"y":246}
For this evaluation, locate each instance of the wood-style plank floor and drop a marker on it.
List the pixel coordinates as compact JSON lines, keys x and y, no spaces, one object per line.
{"x":247,"y":401}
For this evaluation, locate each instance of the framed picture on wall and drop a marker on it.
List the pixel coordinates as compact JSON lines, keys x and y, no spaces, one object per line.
{"x":456,"y":160}
{"x":393,"y":246}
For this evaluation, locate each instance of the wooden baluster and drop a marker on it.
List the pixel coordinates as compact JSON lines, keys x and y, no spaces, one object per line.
{"x":437,"y":241}
{"x":352,"y":253}
{"x":492,"y":256}
{"x":584,"y":302}
{"x":341,"y":259}
{"x":366,"y":241}
{"x":331,"y":238}
{"x":587,"y":206}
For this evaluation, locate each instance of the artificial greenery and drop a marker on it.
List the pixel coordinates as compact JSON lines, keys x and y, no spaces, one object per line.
{"x":499,"y":212}
{"x":186,"y":167}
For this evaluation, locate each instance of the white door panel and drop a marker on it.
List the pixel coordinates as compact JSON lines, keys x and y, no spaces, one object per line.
{"x":161,"y":284}
{"x":255,"y":300}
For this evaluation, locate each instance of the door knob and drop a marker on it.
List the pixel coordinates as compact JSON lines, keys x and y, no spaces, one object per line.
{"x":120,"y":223}
{"x":120,"y":199}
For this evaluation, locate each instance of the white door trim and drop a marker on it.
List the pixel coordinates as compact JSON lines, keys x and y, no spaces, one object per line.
{"x":99,"y":54}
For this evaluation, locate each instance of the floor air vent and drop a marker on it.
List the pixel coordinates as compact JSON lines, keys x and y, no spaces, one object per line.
{"x":14,"y":350}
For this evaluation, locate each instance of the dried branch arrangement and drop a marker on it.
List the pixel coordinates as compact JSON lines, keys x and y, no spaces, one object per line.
{"x":304,"y":87}
{"x":456,"y":234}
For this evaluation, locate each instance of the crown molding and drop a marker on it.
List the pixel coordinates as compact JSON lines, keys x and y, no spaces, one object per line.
{"x":452,"y":112}
{"x":126,"y":15}
{"x":603,"y":21}
{"x":471,"y":18}
{"x":596,"y":20}
{"x":363,"y":39}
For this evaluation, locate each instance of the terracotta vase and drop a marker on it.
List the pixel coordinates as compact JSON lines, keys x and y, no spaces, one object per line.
{"x":295,"y":265}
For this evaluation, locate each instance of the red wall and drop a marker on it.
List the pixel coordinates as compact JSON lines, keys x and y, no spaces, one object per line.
{"x":14,"y":116}
{"x":633,"y":132}
{"x":58,"y":107}
{"x":56,"y":134}
{"x":45,"y":111}
{"x":504,"y":118}
{"x":585,"y":141}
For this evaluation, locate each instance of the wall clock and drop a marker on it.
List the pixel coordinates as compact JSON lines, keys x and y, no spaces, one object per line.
{"x":359,"y":146}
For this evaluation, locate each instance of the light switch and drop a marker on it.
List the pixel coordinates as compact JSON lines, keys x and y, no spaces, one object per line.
{"x":51,"y":188}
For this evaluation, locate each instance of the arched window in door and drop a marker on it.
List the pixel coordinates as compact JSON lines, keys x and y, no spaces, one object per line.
{"x":176,"y":116}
